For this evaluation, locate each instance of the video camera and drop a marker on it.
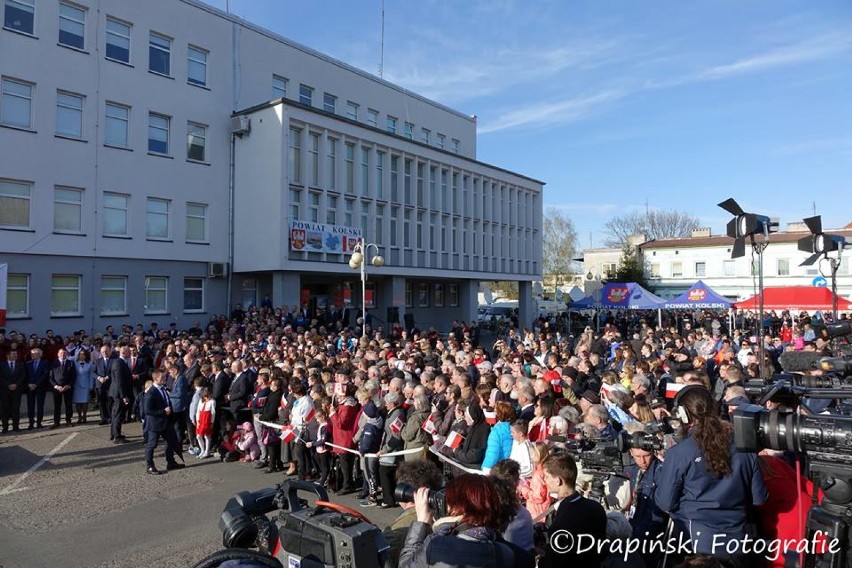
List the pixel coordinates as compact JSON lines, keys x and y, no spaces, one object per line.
{"x":606,"y":457}
{"x":404,"y":493}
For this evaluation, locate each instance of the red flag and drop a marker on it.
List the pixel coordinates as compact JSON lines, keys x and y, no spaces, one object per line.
{"x":672,"y":389}
{"x":309,"y":416}
{"x":396,"y":425}
{"x":454,"y":440}
{"x":491,"y":417}
{"x":287,"y":434}
{"x":339,"y":389}
{"x":429,"y":426}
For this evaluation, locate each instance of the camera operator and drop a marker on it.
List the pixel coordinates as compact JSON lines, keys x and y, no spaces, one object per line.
{"x":706,"y":484}
{"x":416,"y":473}
{"x":646,"y":518}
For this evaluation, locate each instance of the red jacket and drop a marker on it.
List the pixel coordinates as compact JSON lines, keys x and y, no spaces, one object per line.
{"x":344,"y":424}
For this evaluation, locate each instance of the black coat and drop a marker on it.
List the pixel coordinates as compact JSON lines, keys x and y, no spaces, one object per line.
{"x":273,"y":404}
{"x":239,"y":392}
{"x":63,"y":375}
{"x":221,"y":386}
{"x":472,"y":451}
{"x":37,"y":374}
{"x":10,"y":377}
{"x":156,"y":419}
{"x":120,"y":385}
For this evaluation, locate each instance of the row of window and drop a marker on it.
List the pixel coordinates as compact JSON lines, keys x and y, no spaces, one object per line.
{"x":16,"y":209}
{"x":16,"y":110}
{"x":371,"y":117}
{"x":19,"y":15}
{"x":66,"y":294}
{"x":729,"y":269}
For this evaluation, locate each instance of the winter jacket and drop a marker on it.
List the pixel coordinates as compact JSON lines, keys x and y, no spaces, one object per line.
{"x":499,"y":446}
{"x":344,"y":423}
{"x":414,"y":436}
{"x":472,"y":450}
{"x":247,"y":442}
{"x":392,"y":440}
{"x":454,"y":546}
{"x":371,"y":434}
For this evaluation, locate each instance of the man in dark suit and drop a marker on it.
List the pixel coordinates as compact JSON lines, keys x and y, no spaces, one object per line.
{"x":103,"y":381}
{"x":239,"y":393}
{"x":63,"y":373}
{"x":13,"y":380}
{"x":192,"y":368}
{"x":120,"y":391}
{"x":37,"y":373}
{"x":158,"y":412}
{"x":221,"y":386}
{"x":139,"y":373}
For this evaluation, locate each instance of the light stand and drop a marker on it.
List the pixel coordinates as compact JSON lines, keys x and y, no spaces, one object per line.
{"x":820,"y":244}
{"x":359,"y":261}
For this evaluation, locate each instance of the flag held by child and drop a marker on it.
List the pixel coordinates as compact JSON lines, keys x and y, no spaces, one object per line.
{"x":288,"y":434}
{"x":454,"y":440}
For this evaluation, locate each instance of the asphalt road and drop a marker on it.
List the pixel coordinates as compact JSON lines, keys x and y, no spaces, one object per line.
{"x":69,"y":497}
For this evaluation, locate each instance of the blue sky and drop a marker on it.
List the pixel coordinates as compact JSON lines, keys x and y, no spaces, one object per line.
{"x":619,"y":104}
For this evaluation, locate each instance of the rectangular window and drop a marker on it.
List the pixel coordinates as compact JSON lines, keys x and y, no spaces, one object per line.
{"x":331,"y":182}
{"x":394,"y":178}
{"x":655,"y":269}
{"x":72,"y":26}
{"x":409,"y":131}
{"x":196,"y":222}
{"x":425,"y":135}
{"x":113,"y":295}
{"x":445,"y":199}
{"x":380,"y":174}
{"x":331,"y":210}
{"x":365,"y":171}
{"x":159,"y":54}
{"x":393,"y":230}
{"x":196,"y":141}
{"x":730,"y":267}
{"x":421,"y":168}
{"x":349,"y":181}
{"x":677,"y":270}
{"x":18,"y":296}
{"x":454,"y":146}
{"x":16,"y":103}
{"x":193,"y":294}
{"x":420,"y":230}
{"x":329,"y":103}
{"x":409,"y":295}
{"x":117,"y":121}
{"x":279,"y":87}
{"x":69,"y":115}
{"x":406,"y":229}
{"x":380,"y":219}
{"x":196,"y":66}
{"x":19,"y":15}
{"x":117,"y":41}
{"x":423,"y":295}
{"x":115,"y":214}
{"x":15,"y":203}
{"x":350,"y":209}
{"x":313,"y":207}
{"x":295,"y":204}
{"x":406,"y":182}
{"x":783,"y":267}
{"x":373,"y":118}
{"x":391,"y":124}
{"x":295,"y":155}
{"x":306,"y":95}
{"x":700,"y":269}
{"x":351,"y":110}
{"x":453,"y":295}
{"x":65,"y":295}
{"x":441,"y":140}
{"x":439,"y":295}
{"x":157,"y":219}
{"x":158,"y":133}
{"x":67,"y":210}
{"x":313,"y":159}
{"x":156,"y":294}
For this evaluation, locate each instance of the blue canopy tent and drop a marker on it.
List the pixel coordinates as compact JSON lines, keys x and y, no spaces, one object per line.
{"x":622,"y":296}
{"x":699,"y":297}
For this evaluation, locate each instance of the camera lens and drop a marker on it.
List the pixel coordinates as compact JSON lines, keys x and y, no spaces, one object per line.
{"x":403,"y":493}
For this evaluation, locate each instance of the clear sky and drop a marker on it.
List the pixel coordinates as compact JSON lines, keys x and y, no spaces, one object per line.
{"x":621,"y":104}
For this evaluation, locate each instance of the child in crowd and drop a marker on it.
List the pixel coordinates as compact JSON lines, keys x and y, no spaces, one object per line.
{"x":247,"y":443}
{"x":321,"y":454}
{"x":192,"y":424}
{"x":205,"y":417}
{"x":534,"y":490}
{"x":521,"y":447}
{"x":228,"y":447}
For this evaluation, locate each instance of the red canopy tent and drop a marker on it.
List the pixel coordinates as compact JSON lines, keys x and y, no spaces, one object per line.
{"x":799,"y":298}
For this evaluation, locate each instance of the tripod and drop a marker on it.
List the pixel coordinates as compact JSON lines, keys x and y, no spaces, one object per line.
{"x":832,"y":517}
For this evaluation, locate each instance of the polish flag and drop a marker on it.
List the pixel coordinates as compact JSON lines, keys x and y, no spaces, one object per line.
{"x":429,"y":426}
{"x":490,"y":417}
{"x":606,"y":389}
{"x":287,"y":434}
{"x":396,"y":425}
{"x":309,"y":416}
{"x":672,"y":389}
{"x":454,"y":440}
{"x":339,"y":389}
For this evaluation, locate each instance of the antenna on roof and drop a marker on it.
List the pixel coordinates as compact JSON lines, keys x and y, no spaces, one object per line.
{"x":382,"y":55}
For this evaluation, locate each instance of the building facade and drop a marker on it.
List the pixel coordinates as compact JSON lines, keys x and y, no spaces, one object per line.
{"x":156,"y":155}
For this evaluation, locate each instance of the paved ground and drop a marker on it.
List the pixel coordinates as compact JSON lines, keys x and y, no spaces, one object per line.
{"x":71,"y":498}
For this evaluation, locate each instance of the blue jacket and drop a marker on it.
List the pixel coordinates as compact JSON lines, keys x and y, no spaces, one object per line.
{"x":703,"y":505}
{"x":180,"y":394}
{"x":499,"y":445}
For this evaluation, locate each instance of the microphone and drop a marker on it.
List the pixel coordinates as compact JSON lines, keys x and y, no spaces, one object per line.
{"x":800,"y":361}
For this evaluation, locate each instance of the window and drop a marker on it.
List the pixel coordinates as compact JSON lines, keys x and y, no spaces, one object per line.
{"x":380,"y":174}
{"x":313,"y":159}
{"x":313,"y":206}
{"x":69,"y":115}
{"x":295,"y":203}
{"x":156,"y":294}
{"x":331,"y":210}
{"x":349,"y":205}
{"x":655,"y":269}
{"x":351,"y":110}
{"x":117,"y":121}
{"x":394,"y":178}
{"x":295,"y":155}
{"x":196,"y":141}
{"x":193,"y":294}
{"x":730,"y":268}
{"x":409,"y":295}
{"x":158,"y":133}
{"x":783,"y":267}
{"x":373,"y":118}
{"x":19,"y":15}
{"x":349,"y":181}
{"x":439,"y":295}
{"x":331,"y":182}
{"x":117,"y":41}
{"x":365,"y":171}
{"x":700,"y":269}
{"x":677,"y":270}
{"x":423,"y":295}
{"x":391,"y":124}
{"x":115,"y":214}
{"x":453,"y":295}
{"x":196,"y":222}
{"x":329,"y":103}
{"x":159,"y":54}
{"x":15,"y":203}
{"x":380,"y":219}
{"x":306,"y":95}
{"x":409,"y":131}
{"x":406,"y":182}
{"x":157,"y":218}
{"x":65,"y":295}
{"x":609,"y":268}
{"x":18,"y":296}
{"x":279,"y":87}
{"x":425,"y":135}
{"x":454,"y":146}
{"x":113,"y":295}
{"x":196,"y":66}
{"x":406,"y":229}
{"x":72,"y":26}
{"x":16,"y":100}
{"x":67,"y":210}
{"x":441,"y":140}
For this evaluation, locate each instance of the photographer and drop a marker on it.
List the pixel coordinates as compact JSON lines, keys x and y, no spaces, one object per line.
{"x":706,"y":484}
{"x":467,"y":537}
{"x":646,"y":519}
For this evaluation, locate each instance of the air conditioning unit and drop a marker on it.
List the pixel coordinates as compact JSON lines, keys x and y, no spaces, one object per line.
{"x":217,"y":269}
{"x":240,"y":125}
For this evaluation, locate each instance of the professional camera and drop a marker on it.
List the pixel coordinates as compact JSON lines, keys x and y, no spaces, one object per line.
{"x":320,"y":536}
{"x":404,"y":493}
{"x":647,"y":441}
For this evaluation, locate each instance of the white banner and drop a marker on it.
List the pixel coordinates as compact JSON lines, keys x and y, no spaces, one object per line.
{"x":322,"y":237}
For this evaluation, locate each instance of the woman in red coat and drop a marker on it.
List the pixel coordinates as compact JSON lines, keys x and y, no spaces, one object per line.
{"x":344,"y":424}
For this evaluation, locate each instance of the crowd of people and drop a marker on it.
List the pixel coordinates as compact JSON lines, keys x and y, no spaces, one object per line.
{"x":492,"y":424}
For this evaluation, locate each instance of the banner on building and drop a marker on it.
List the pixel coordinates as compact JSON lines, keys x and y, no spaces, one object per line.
{"x":322,"y":237}
{"x":4,"y":283}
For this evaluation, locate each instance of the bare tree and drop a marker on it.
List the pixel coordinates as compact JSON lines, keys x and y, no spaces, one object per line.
{"x":655,"y":224}
{"x":559,"y":243}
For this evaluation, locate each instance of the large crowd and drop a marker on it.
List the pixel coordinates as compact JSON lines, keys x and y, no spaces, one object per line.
{"x":308,"y":396}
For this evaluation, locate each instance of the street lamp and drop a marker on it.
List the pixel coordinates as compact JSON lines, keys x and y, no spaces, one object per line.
{"x":359,"y":260}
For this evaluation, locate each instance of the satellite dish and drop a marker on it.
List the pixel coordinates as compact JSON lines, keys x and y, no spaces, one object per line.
{"x":537,"y":289}
{"x":559,"y":295}
{"x":489,"y":297}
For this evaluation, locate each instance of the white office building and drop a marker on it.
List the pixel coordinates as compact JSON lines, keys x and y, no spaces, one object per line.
{"x":164,"y":160}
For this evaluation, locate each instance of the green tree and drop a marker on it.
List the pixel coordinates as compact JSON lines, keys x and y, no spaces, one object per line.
{"x":631,"y":268}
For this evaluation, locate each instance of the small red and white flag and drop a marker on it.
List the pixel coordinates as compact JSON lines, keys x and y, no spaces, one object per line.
{"x":606,"y":389}
{"x":309,"y":416}
{"x":454,"y":440}
{"x":396,"y":425}
{"x":429,"y":426}
{"x":490,"y":417}
{"x":287,"y":434}
{"x":672,"y":389}
{"x":339,"y":389}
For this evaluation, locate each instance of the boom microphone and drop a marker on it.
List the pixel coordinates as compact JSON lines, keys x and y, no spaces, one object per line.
{"x":800,"y":361}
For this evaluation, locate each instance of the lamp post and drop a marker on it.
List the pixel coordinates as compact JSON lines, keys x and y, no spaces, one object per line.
{"x":359,"y":260}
